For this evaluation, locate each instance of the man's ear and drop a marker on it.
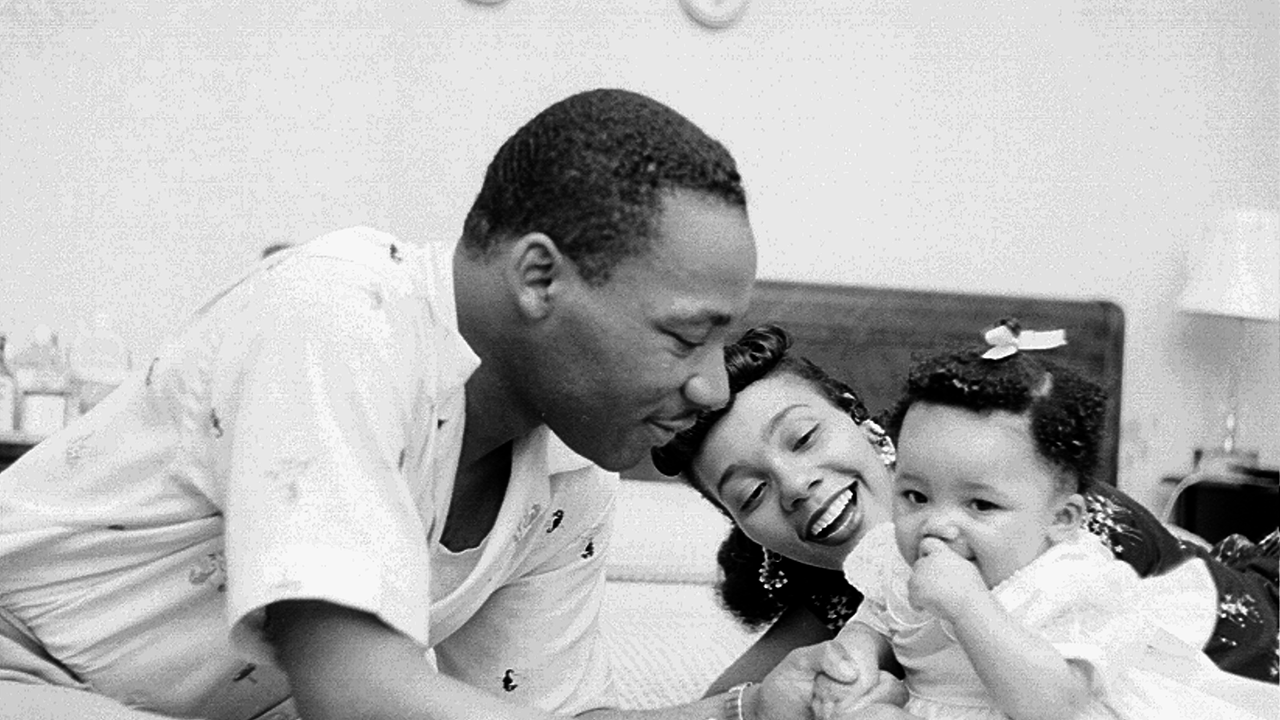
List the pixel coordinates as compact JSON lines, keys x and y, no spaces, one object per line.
{"x":1067,"y":517}
{"x":534,"y":270}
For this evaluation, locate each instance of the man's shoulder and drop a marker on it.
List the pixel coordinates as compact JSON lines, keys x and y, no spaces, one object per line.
{"x":383,"y":253}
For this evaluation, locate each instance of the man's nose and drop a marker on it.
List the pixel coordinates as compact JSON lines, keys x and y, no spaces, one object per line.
{"x":708,"y":387}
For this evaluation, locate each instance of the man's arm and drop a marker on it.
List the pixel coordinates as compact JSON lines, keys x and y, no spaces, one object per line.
{"x":344,"y":663}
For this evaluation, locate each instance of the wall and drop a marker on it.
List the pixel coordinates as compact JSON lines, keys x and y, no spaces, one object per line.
{"x":149,"y":150}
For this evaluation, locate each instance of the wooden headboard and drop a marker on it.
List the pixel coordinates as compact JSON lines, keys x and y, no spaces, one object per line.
{"x":867,"y":337}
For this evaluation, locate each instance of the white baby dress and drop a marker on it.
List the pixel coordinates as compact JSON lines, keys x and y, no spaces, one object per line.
{"x":1094,"y":609}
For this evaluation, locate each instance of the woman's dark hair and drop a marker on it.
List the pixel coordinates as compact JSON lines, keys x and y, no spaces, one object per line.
{"x":1066,"y":410}
{"x":763,"y":352}
{"x":590,"y":172}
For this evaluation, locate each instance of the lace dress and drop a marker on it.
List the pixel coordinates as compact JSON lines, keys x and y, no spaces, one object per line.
{"x":1094,"y":610}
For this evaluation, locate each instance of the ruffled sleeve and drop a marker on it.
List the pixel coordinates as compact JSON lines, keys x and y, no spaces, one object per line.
{"x":879,"y":572}
{"x":1083,"y":602}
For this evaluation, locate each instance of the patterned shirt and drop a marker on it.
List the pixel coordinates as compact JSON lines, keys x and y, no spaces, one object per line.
{"x":300,"y":440}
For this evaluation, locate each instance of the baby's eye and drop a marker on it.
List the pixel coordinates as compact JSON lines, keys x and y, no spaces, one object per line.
{"x":915,"y":497}
{"x":983,"y":505}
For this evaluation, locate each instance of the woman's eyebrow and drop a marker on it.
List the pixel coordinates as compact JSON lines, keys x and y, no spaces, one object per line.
{"x":772,"y":426}
{"x":726,"y":476}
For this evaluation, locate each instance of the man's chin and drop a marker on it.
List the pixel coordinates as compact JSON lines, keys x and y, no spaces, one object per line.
{"x":616,"y":461}
{"x":612,"y":456}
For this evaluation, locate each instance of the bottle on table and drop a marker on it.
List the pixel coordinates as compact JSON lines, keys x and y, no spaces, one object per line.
{"x":40,"y":369}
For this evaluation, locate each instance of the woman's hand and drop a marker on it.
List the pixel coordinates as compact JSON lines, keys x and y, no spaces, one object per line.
{"x":788,"y":692}
{"x":833,"y":700}
{"x":942,"y":582}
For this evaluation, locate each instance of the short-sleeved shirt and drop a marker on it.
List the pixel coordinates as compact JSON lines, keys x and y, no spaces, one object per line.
{"x":299,"y":440}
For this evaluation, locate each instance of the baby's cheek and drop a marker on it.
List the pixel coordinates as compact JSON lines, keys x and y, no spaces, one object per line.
{"x":908,"y":544}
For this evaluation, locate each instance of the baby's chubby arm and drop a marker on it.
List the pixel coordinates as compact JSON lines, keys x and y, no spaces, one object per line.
{"x":850,"y":670}
{"x":1027,"y":676}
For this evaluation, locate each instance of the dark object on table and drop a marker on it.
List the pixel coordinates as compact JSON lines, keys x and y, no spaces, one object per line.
{"x":1213,"y":506}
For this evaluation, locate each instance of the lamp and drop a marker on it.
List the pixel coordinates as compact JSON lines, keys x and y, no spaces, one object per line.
{"x":1234,"y":272}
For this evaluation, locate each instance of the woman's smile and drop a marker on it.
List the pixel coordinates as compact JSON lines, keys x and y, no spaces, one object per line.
{"x":831,"y":523}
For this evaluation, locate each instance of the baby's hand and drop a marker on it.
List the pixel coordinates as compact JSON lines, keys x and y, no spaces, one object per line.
{"x":847,"y":674}
{"x":942,"y":582}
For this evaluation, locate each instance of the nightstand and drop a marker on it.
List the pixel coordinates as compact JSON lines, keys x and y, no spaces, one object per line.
{"x":1247,"y":503}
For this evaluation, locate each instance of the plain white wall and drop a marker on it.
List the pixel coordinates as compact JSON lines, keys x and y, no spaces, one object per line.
{"x":149,"y":151}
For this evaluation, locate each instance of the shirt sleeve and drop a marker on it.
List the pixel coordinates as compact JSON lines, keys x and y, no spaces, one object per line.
{"x":313,"y":422}
{"x":537,"y":639}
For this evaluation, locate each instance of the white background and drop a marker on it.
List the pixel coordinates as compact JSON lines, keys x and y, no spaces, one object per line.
{"x":149,"y":151}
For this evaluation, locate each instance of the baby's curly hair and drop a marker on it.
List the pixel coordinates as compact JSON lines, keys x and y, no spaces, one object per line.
{"x":590,"y":172}
{"x":1066,"y":411}
{"x":761,"y":352}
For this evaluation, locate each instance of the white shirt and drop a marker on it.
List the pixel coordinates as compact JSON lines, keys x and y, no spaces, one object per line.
{"x":300,"y":440}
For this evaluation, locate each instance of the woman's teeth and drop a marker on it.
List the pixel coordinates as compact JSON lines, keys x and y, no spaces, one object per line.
{"x":832,"y":512}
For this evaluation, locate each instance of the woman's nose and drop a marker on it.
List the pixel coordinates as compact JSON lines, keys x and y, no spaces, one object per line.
{"x":708,"y":387}
{"x":794,"y":487}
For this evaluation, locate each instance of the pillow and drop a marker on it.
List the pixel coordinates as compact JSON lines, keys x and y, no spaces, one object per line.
{"x":665,"y":532}
{"x":667,"y":642}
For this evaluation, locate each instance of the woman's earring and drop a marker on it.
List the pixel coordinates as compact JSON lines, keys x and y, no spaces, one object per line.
{"x":771,"y":575}
{"x":879,"y":439}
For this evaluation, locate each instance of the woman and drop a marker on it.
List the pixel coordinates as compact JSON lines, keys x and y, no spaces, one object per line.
{"x":796,"y":462}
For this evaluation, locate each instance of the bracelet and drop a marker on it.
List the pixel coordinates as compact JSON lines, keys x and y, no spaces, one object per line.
{"x":733,"y":702}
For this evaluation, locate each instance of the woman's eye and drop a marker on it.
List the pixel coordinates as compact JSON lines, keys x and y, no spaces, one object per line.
{"x":805,"y":439}
{"x":755,"y":494}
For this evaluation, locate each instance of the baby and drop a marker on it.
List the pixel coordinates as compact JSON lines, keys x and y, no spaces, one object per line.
{"x":985,"y":589}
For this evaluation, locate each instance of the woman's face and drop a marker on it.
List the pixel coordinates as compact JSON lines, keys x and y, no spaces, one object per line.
{"x":797,"y":474}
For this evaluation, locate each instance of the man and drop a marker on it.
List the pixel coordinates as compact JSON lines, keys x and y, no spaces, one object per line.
{"x":350,"y":456}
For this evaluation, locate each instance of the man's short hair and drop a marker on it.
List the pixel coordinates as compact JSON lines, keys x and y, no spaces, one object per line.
{"x":590,"y":172}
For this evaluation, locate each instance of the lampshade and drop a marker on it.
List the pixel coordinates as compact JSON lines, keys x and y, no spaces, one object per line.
{"x":1235,"y":270}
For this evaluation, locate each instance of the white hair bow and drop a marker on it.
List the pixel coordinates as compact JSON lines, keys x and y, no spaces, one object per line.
{"x":1005,"y":342}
